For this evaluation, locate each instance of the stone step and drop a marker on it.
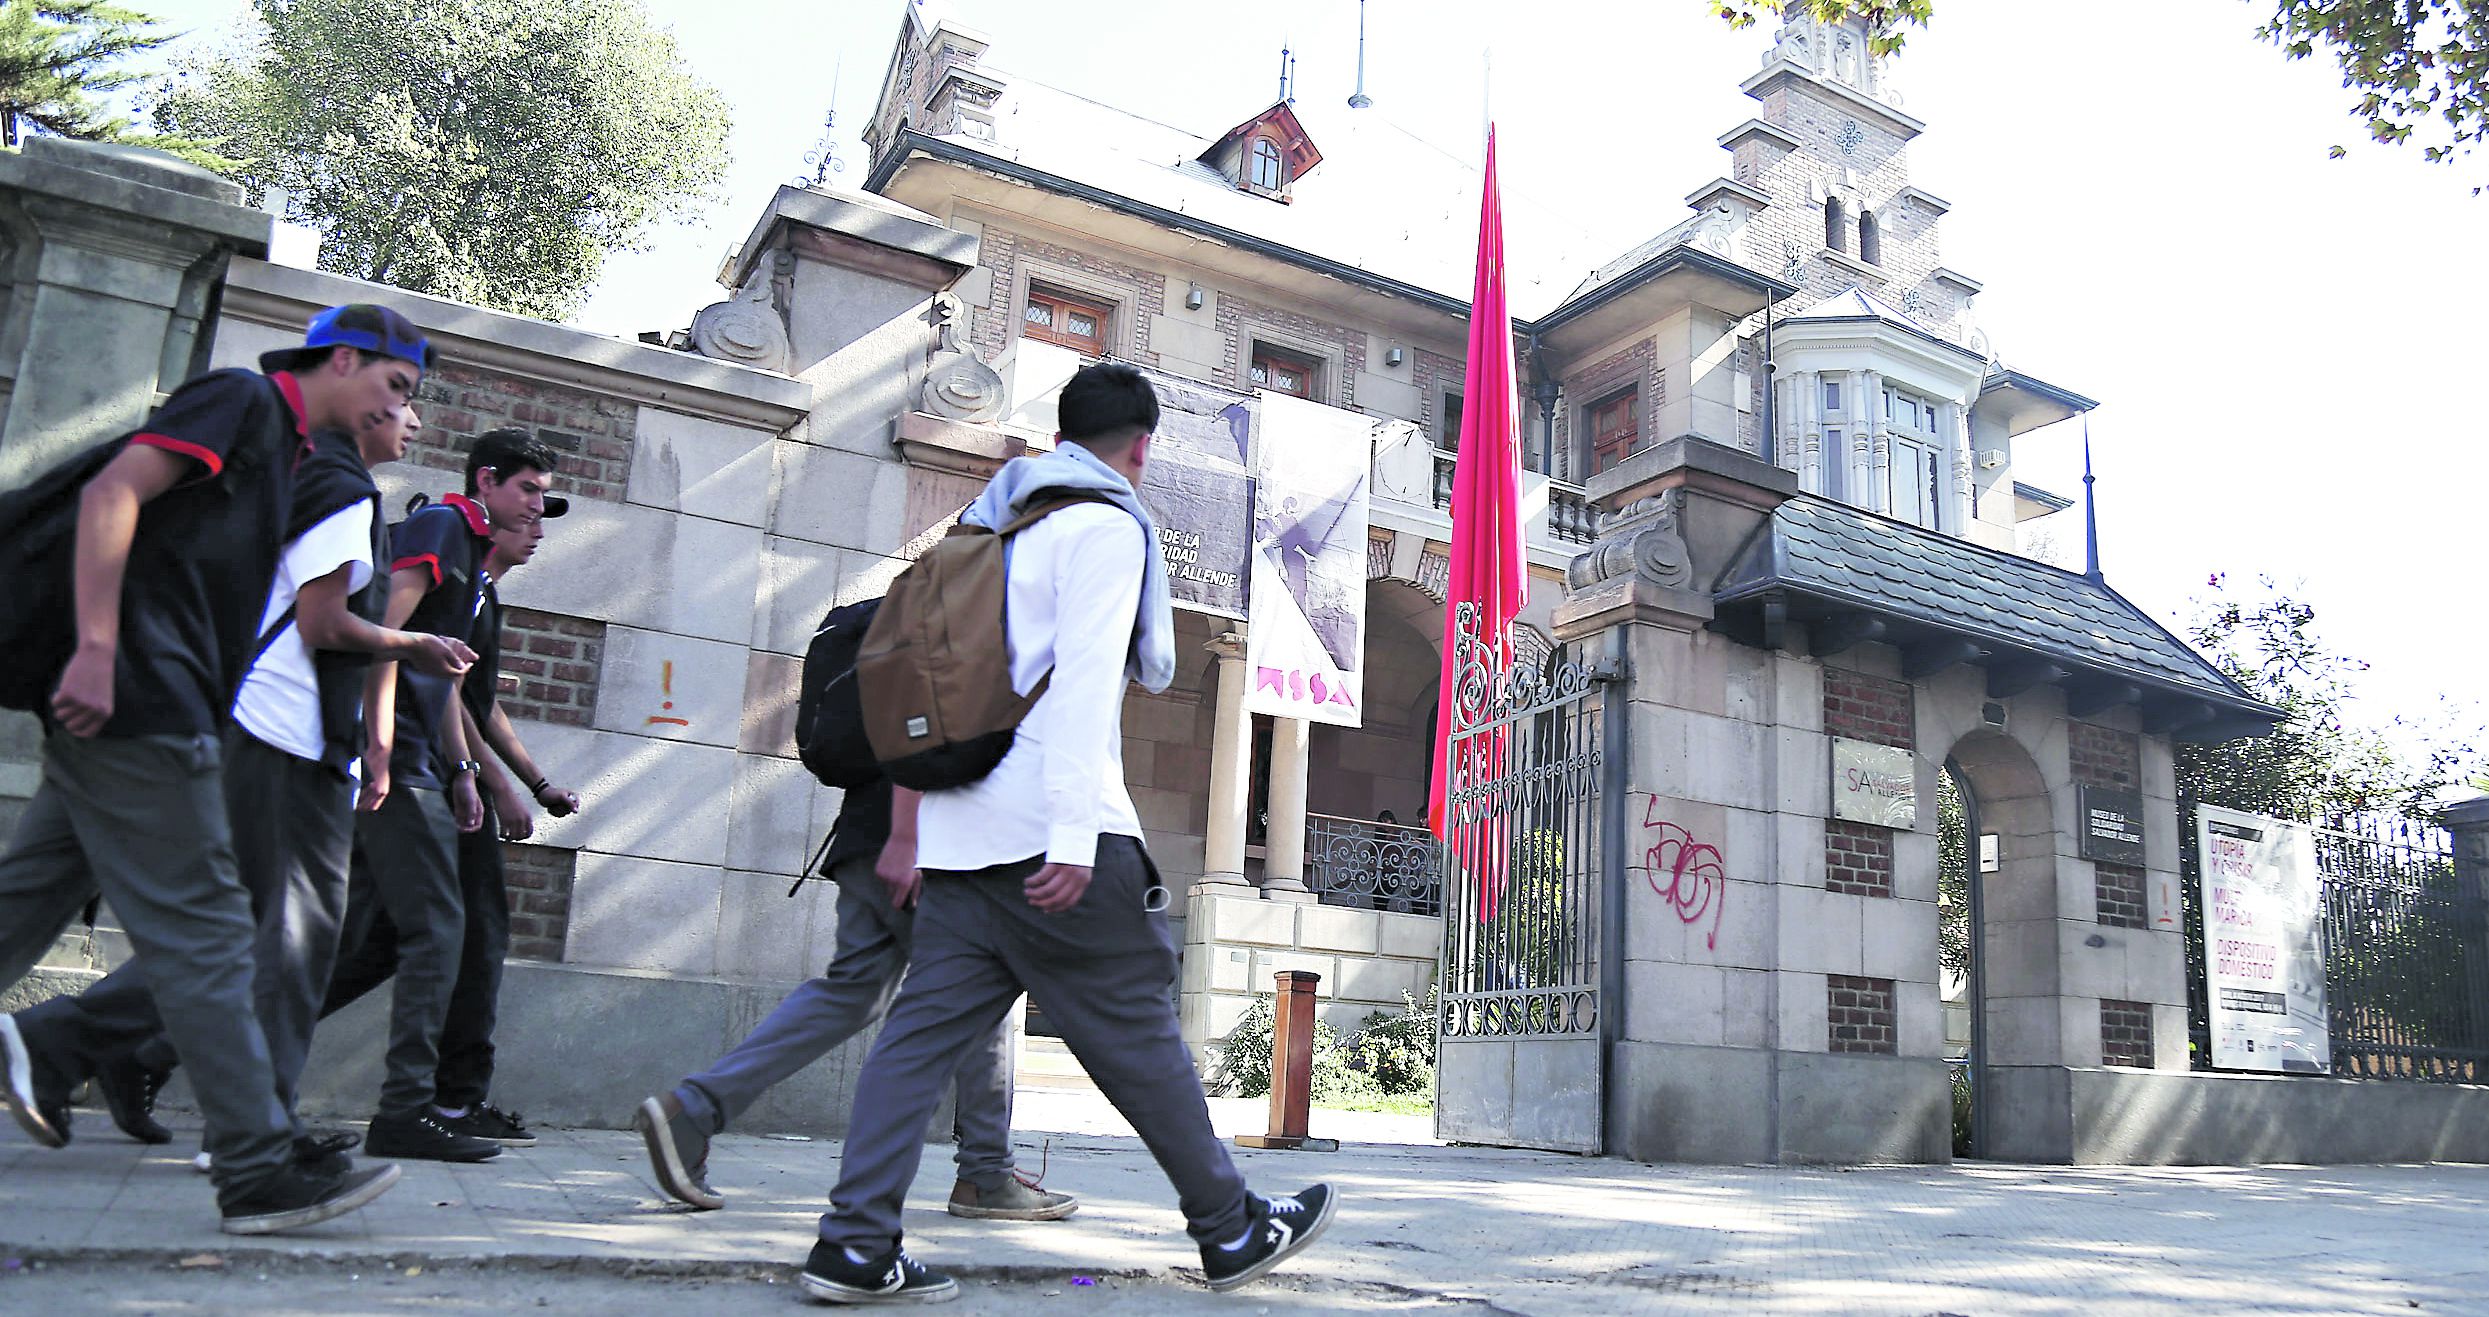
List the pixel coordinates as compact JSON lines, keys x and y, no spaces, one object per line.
{"x":1046,"y":1063}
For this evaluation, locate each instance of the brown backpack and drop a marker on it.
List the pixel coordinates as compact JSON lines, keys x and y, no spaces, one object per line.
{"x":934,"y":672}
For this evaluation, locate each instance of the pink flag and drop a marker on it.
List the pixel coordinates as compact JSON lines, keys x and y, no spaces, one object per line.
{"x":1487,"y":567}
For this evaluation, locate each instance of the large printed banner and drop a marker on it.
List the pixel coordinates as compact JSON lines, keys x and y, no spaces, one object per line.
{"x":1198,"y":487}
{"x":2264,"y":952}
{"x":1305,"y":644}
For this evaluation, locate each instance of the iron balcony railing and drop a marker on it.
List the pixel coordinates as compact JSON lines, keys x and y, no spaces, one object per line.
{"x":1373,"y":866}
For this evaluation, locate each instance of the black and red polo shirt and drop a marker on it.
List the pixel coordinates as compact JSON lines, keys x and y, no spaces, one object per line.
{"x":447,"y":540}
{"x":205,"y":552}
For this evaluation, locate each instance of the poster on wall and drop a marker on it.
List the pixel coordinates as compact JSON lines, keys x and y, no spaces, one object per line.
{"x":1198,"y":487}
{"x":2264,"y":951}
{"x":1305,"y":642}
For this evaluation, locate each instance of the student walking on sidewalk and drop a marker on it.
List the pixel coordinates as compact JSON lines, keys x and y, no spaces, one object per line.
{"x":1035,"y":880}
{"x":176,"y":542}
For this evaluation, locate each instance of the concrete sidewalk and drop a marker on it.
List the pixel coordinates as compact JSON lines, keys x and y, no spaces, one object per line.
{"x":1515,"y":1232}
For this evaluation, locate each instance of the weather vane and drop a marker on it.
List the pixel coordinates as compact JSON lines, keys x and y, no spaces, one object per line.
{"x":822,"y":160}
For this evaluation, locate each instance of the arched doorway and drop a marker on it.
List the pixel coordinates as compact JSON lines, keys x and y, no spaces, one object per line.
{"x":1997,"y":900}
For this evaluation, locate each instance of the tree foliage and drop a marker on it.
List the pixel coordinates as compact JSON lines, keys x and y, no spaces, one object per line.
{"x":489,"y":151}
{"x":60,"y":60}
{"x":2323,"y":761}
{"x":2418,"y":68}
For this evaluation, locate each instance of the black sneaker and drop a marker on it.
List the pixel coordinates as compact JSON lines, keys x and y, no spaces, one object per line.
{"x":325,"y":1152}
{"x":129,"y":1090}
{"x":894,"y":1277}
{"x":1281,"y":1227}
{"x":421,"y":1136}
{"x":45,"y":1119}
{"x":492,"y":1124}
{"x":678,"y":1152}
{"x":298,"y":1196}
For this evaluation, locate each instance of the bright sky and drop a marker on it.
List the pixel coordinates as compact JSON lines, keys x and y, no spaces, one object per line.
{"x":2285,"y":347}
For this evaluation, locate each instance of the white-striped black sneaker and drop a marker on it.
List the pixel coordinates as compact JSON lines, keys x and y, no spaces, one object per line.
{"x":894,"y":1277}
{"x":296,"y":1196}
{"x":1281,"y":1228}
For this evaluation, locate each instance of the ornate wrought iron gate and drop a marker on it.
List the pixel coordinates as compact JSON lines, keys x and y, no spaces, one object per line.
{"x":1522,"y":1055}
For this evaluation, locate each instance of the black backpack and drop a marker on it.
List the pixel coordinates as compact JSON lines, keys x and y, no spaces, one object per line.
{"x":829,"y":716}
{"x":38,"y":538}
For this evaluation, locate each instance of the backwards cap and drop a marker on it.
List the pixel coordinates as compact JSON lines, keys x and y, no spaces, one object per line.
{"x":363,"y":325}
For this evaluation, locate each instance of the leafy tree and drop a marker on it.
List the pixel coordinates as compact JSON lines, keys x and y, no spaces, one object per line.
{"x":2420,"y":68}
{"x":61,"y":59}
{"x":2322,"y":762}
{"x":490,"y":151}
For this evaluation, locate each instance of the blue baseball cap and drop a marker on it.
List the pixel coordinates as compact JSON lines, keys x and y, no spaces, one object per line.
{"x":363,"y":325}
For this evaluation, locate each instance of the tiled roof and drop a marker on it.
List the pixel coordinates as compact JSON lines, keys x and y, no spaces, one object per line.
{"x":1857,"y":560}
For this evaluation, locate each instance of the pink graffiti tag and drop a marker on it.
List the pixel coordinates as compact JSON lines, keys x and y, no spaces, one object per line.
{"x":1696,"y":881}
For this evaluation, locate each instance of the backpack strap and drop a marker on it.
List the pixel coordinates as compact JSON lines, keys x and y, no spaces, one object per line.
{"x":269,"y":637}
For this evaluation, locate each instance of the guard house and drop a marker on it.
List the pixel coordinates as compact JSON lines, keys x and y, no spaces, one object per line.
{"x":1773,"y":534}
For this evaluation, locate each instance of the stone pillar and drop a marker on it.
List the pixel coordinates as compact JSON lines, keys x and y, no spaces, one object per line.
{"x":1856,"y":487}
{"x":1231,"y":769}
{"x":1283,"y":864}
{"x":118,"y":254}
{"x":1809,"y":414}
{"x":1879,"y":445}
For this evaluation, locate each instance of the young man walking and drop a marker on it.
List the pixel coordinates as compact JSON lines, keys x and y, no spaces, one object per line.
{"x":419,"y":786}
{"x":167,"y":608}
{"x":465,"y":1073}
{"x":872,"y":858}
{"x":1035,"y":880}
{"x":289,"y":791}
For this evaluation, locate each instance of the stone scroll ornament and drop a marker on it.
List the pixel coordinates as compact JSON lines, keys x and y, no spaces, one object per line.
{"x":959,"y":387}
{"x":747,"y":328}
{"x":1643,"y":539}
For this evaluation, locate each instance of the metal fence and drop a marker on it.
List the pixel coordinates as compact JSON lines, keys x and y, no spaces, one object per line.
{"x":1522,"y":873}
{"x":2406,"y":953}
{"x":1373,"y":866}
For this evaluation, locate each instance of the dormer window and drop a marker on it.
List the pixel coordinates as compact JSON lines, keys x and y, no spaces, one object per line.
{"x":1269,"y":172}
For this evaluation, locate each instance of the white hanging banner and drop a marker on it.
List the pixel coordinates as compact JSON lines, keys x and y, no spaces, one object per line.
{"x":1305,"y":636}
{"x":2264,"y":943}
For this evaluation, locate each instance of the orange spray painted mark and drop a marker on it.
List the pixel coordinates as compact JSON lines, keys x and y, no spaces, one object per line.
{"x":667,"y":676}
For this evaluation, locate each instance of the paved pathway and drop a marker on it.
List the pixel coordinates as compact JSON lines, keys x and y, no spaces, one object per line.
{"x":1496,"y":1230}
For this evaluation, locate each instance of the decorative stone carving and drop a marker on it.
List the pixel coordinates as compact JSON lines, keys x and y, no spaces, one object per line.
{"x":1643,"y":538}
{"x":958,"y":386}
{"x":748,"y":328}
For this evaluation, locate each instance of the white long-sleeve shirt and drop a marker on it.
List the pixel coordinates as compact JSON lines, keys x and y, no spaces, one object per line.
{"x":1073,"y":594}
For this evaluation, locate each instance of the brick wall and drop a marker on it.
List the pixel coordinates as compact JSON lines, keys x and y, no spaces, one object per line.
{"x":2126,"y":1033}
{"x":1858,"y":858}
{"x":2118,"y":895}
{"x":550,"y":665}
{"x":538,"y":879}
{"x":1869,"y":708}
{"x":1636,"y":367}
{"x":1138,"y":295}
{"x":2105,"y":756}
{"x":1237,"y":318}
{"x":1861,"y":1014}
{"x":594,"y":434}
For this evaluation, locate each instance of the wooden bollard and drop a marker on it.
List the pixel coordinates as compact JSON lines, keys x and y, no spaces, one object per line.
{"x":1292,"y":1068}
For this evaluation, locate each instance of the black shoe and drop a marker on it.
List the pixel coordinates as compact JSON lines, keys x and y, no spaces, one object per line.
{"x":325,"y":1152}
{"x":1281,"y":1227}
{"x":421,"y":1136}
{"x":492,"y":1124}
{"x":45,"y":1118}
{"x":894,"y":1277}
{"x":298,"y":1196}
{"x":129,"y":1089}
{"x":678,"y":1152}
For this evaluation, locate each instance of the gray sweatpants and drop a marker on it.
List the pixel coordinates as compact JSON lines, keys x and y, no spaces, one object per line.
{"x":406,"y":862}
{"x":292,"y":823}
{"x":874,"y":942}
{"x":1103,"y":972}
{"x":142,"y":820}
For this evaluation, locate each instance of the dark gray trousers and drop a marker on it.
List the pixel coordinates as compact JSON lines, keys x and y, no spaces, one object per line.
{"x":874,"y":943}
{"x":1104,"y":974}
{"x":406,"y":863}
{"x":293,"y":828}
{"x":142,"y":820}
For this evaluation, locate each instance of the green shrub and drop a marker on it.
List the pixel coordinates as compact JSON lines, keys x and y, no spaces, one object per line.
{"x":1392,"y":1054}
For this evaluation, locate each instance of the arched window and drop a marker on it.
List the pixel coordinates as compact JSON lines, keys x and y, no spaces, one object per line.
{"x":1268,"y":173}
{"x":1836,"y":234}
{"x":1870,"y":239}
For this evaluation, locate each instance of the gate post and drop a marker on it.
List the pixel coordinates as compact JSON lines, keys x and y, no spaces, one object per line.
{"x":1291,"y":1067}
{"x":2467,"y":823}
